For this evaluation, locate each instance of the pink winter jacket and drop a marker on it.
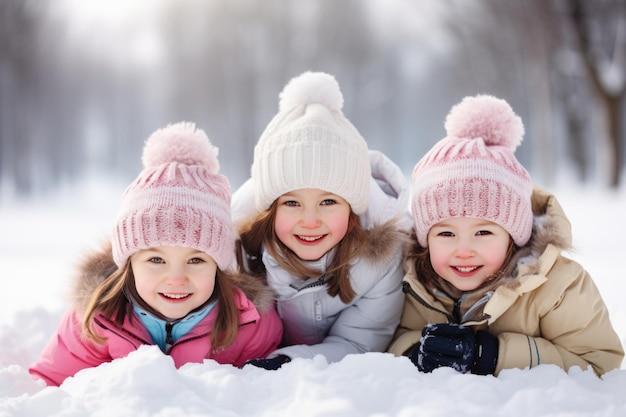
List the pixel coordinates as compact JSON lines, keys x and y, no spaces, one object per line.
{"x":68,"y":352}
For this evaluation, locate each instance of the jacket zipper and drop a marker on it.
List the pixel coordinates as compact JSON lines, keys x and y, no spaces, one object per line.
{"x":169,"y":339}
{"x":406,"y":288}
{"x":318,"y":310}
{"x":456,"y":311}
{"x":183,"y":340}
{"x":317,"y":307}
{"x":320,"y":282}
{"x":454,"y":318}
{"x":467,"y":316}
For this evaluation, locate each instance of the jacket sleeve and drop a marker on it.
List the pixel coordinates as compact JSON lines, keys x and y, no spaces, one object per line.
{"x":574,"y":331}
{"x":67,"y":352}
{"x":365,"y":326}
{"x":261,"y":337}
{"x":409,"y":331}
{"x":420,"y":308}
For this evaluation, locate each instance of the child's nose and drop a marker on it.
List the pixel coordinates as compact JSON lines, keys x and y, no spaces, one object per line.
{"x":310,"y":218}
{"x":464,"y":250}
{"x":177,"y":276}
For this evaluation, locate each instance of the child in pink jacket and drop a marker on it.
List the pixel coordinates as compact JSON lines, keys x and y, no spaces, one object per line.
{"x":165,"y":279}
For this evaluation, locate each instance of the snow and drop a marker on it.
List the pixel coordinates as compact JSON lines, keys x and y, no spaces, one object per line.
{"x":44,"y":238}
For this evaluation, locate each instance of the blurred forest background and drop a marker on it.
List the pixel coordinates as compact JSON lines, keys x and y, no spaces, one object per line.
{"x":84,"y":83}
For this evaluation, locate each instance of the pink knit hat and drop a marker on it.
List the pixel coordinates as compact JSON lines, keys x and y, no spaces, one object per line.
{"x":179,"y":199}
{"x":473,"y":173}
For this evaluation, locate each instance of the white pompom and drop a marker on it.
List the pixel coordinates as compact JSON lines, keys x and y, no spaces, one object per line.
{"x":309,"y":88}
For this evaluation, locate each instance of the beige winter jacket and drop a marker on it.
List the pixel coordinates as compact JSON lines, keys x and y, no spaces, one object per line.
{"x":546,"y":311}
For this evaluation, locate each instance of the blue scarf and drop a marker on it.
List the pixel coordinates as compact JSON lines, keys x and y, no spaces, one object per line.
{"x":158,"y":328}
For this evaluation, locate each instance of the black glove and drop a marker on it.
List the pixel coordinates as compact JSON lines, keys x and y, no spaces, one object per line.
{"x":456,"y":346}
{"x":271,"y":364}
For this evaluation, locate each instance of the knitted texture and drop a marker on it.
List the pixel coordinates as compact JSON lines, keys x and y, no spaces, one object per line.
{"x":179,"y":199}
{"x":472,"y":172}
{"x":310,"y":144}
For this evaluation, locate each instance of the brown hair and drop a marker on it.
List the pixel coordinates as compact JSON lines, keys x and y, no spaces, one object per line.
{"x":260,"y":231}
{"x":431,"y":280}
{"x":111,"y":299}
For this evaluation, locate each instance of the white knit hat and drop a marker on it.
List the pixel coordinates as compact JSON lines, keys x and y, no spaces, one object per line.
{"x":179,"y":199}
{"x":472,"y":172}
{"x":311,"y":144}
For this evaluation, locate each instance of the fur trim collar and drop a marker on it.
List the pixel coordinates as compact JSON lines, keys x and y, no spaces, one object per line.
{"x":385,"y":241}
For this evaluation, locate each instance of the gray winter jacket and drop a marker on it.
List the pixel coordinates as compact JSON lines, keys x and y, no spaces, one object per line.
{"x":314,"y":322}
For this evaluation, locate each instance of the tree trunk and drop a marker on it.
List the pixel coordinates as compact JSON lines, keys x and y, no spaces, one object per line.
{"x":611,"y":99}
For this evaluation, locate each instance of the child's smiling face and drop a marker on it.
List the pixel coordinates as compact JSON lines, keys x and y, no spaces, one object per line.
{"x":311,"y":222}
{"x":467,"y":251}
{"x":174,"y":280}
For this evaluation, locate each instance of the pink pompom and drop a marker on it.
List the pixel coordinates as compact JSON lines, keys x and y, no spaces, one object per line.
{"x":180,"y":142}
{"x":309,"y":88}
{"x":486,"y":117}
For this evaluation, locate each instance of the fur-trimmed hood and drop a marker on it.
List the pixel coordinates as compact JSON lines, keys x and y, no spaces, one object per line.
{"x":551,"y":236}
{"x":385,"y":241}
{"x":70,"y":349}
{"x":98,"y":265}
{"x":544,"y":308}
{"x":368,"y":321}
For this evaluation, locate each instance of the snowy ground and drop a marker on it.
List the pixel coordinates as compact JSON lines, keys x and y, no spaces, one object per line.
{"x":43,"y":239}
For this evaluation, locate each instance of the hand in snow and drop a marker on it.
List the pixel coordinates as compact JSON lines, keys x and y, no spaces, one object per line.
{"x":455,"y":346}
{"x":271,"y":364}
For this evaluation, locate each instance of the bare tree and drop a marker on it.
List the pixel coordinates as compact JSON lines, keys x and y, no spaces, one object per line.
{"x":600,"y":32}
{"x":17,"y":63}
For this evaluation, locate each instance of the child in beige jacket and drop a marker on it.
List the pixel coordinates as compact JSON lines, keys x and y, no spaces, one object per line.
{"x":487,"y":287}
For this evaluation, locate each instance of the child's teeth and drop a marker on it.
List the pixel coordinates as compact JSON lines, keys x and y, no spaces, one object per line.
{"x":309,"y":238}
{"x":176,"y":295}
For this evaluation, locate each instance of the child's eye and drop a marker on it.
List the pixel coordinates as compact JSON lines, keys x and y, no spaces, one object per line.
{"x":196,"y":261}
{"x":328,"y":202}
{"x":291,"y":203}
{"x":483,"y":233}
{"x":156,"y":260}
{"x":447,"y":234}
